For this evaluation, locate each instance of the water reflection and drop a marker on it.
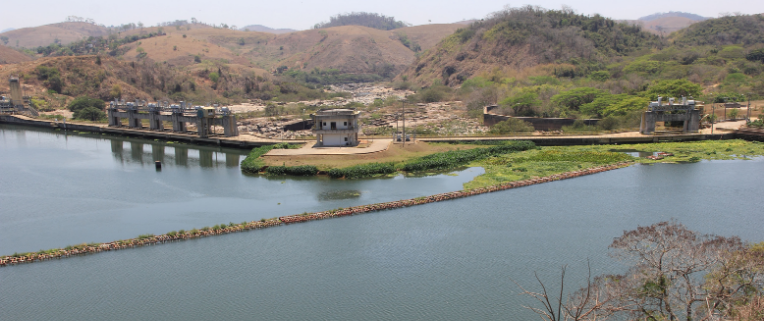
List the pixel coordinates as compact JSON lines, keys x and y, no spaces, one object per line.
{"x":338,"y":195}
{"x":157,"y":153}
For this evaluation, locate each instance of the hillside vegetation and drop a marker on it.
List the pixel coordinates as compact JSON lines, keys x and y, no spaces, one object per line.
{"x":55,"y":80}
{"x":525,"y":37}
{"x":548,"y":63}
{"x":366,"y":19}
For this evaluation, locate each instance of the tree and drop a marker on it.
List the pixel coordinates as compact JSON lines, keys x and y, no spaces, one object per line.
{"x":522,"y":104}
{"x":512,"y":125}
{"x":89,"y":113}
{"x":674,"y":88}
{"x":115,"y":92}
{"x":83,"y":102}
{"x":668,"y":260}
{"x":626,"y":105}
{"x":674,"y":274}
{"x":574,"y":98}
{"x":733,"y":113}
{"x":4,"y":39}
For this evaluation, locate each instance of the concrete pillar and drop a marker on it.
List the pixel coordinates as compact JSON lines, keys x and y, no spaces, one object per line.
{"x":154,"y":122}
{"x":177,"y":125}
{"x":692,"y":124}
{"x":648,"y":120}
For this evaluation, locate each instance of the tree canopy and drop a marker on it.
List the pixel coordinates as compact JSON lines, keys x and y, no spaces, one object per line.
{"x":366,"y":19}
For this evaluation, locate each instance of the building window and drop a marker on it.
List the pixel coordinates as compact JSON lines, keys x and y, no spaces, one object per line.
{"x":346,"y":123}
{"x":346,"y":139}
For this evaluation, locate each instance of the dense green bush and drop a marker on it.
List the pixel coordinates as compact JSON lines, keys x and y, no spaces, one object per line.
{"x":89,"y":113}
{"x":512,"y":125}
{"x":674,"y":88}
{"x":303,"y":170}
{"x":574,"y":98}
{"x":83,"y":102}
{"x":363,"y":170}
{"x":456,"y":158}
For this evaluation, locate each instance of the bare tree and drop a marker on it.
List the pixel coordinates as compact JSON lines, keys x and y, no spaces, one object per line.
{"x":598,"y":300}
{"x":668,"y":262}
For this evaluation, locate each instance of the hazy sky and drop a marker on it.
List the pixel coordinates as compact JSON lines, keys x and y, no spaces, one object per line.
{"x":301,"y":14}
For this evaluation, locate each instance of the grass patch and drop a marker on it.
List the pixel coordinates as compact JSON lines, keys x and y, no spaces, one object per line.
{"x":457,"y":158}
{"x":253,"y":163}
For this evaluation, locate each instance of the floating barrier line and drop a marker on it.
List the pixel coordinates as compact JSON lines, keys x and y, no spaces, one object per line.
{"x":289,"y":219}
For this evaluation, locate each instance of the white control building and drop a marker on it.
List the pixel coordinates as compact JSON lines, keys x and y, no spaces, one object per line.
{"x":336,"y":127}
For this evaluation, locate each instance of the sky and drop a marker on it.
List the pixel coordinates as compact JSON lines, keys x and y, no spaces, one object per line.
{"x":301,"y":14}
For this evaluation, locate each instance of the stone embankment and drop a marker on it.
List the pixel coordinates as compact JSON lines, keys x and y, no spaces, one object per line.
{"x":219,"y":230}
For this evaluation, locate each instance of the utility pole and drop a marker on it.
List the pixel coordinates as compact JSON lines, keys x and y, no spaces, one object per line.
{"x":748,"y":111}
{"x":403,"y":109}
{"x":713,"y":116}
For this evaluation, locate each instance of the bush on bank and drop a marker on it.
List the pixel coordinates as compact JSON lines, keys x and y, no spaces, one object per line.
{"x":456,"y":158}
{"x":363,"y":170}
{"x":253,"y":164}
{"x":303,"y":170}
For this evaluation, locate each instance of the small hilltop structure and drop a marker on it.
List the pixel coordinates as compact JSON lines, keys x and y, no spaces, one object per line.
{"x":673,"y":111}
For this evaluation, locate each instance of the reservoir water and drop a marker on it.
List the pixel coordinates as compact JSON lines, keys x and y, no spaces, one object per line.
{"x":452,"y":260}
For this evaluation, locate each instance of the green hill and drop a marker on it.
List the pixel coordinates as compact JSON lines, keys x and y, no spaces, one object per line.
{"x":526,"y":37}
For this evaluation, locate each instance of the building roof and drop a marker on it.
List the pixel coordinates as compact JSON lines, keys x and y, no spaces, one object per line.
{"x":337,"y":112}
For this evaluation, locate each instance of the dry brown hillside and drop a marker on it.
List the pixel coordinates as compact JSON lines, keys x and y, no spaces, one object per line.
{"x":428,"y":36}
{"x":351,"y":49}
{"x":10,"y":56}
{"x":65,"y":32}
{"x":80,"y":75}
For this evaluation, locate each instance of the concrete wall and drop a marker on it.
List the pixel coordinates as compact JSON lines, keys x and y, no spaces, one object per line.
{"x":546,"y":124}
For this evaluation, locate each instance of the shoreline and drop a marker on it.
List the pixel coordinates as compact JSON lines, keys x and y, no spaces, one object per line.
{"x":146,"y":240}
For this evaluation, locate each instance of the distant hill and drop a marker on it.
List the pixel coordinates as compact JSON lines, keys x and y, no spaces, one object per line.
{"x":673,"y":14}
{"x":663,"y":26}
{"x":8,"y":29}
{"x":366,"y":19}
{"x":261,"y":28}
{"x":746,"y":30}
{"x":64,"y":33}
{"x":518,"y":38}
{"x":10,"y":56}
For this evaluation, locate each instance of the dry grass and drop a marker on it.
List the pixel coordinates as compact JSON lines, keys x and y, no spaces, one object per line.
{"x":396,"y":153}
{"x":10,"y":56}
{"x":66,"y":32}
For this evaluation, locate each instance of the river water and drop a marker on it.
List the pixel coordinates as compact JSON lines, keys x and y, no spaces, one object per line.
{"x":452,"y":260}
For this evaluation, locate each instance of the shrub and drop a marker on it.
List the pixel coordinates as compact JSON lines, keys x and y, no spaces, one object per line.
{"x":303,"y":170}
{"x":574,"y":98}
{"x":512,"y":125}
{"x":455,"y":158}
{"x":522,"y":104}
{"x":674,"y":88}
{"x":363,"y":170}
{"x":253,"y":163}
{"x":89,"y":113}
{"x":602,"y":75}
{"x":83,"y":102}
